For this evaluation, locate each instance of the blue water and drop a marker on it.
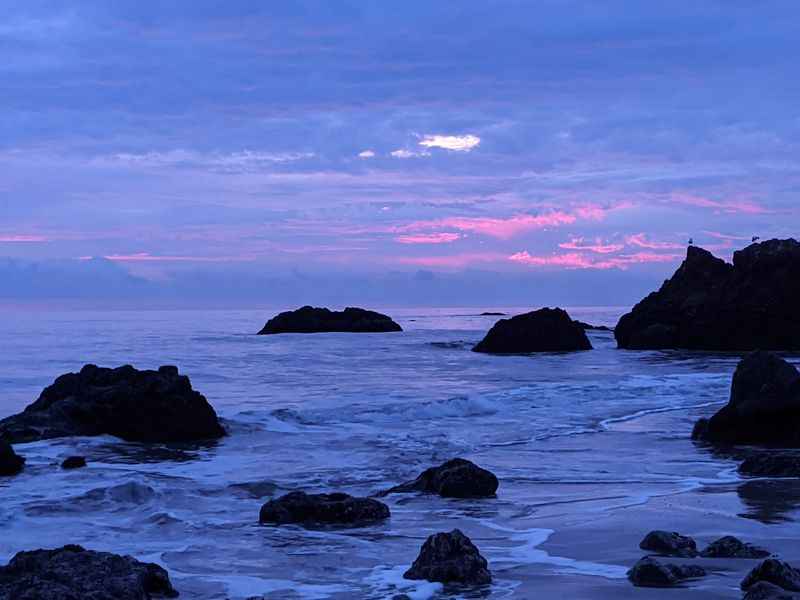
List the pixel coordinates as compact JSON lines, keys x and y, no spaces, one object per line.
{"x":574,"y":438}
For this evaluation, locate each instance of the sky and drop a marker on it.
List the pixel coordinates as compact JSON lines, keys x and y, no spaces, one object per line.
{"x":416,"y":153}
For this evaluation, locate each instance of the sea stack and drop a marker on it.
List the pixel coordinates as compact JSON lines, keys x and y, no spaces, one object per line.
{"x":709,"y":304}
{"x":544,"y":330}
{"x":309,"y":319}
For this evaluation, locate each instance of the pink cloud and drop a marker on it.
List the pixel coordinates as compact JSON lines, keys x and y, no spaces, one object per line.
{"x":598,"y":246}
{"x":14,"y":239}
{"x":428,"y":238}
{"x":577,"y":260}
{"x":640,"y":240}
{"x":735,"y":205}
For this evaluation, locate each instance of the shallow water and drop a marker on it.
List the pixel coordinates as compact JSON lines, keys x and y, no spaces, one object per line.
{"x":585,"y":444}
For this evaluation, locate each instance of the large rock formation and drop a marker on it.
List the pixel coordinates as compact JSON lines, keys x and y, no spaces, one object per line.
{"x":336,"y":508}
{"x":457,"y":478}
{"x":71,"y":572}
{"x":764,"y":407}
{"x":450,"y":558}
{"x":669,"y":543}
{"x":650,"y":572}
{"x":712,"y":305}
{"x":321,"y":320}
{"x":544,"y":330}
{"x":10,"y":462}
{"x":776,"y":572}
{"x":145,"y":406}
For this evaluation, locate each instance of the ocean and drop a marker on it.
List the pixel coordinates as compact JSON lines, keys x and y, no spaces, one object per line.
{"x":592,"y":451}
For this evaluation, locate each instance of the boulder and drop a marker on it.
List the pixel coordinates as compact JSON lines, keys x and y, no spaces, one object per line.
{"x":140,"y":406}
{"x":336,"y":508}
{"x":71,"y":572}
{"x":544,"y":330}
{"x":321,"y":320}
{"x":650,"y":572}
{"x":450,"y":558}
{"x":770,"y":465}
{"x":73,"y":462}
{"x":776,"y":572}
{"x":767,"y":591}
{"x":457,"y":478}
{"x":764,"y":406}
{"x":10,"y":462}
{"x":709,"y":304}
{"x":667,"y":543}
{"x":590,"y":327}
{"x":731,"y":547}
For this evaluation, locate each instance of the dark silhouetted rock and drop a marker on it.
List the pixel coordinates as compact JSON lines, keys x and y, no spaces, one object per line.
{"x":544,"y":330}
{"x":450,"y":558}
{"x":321,"y":320}
{"x":764,"y":407}
{"x":669,"y":543}
{"x":457,"y":478}
{"x":776,"y":572}
{"x":770,"y":465}
{"x":141,"y":406}
{"x":73,"y":462}
{"x":72,"y":573}
{"x":767,"y":591}
{"x":336,"y":508}
{"x":591,"y":327}
{"x":493,"y":314}
{"x":709,"y":304}
{"x":10,"y":462}
{"x":649,"y":572}
{"x":731,"y":547}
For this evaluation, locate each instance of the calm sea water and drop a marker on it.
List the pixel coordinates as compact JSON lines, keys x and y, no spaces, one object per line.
{"x":574,"y":438}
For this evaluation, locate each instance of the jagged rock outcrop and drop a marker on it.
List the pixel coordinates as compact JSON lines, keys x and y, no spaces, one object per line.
{"x":768,"y":591}
{"x":669,"y":543}
{"x":71,"y":572}
{"x":776,"y":572}
{"x":336,"y":508}
{"x":143,"y":406}
{"x":709,"y":304}
{"x":764,"y":406}
{"x":457,"y":478}
{"x":544,"y":330}
{"x":450,"y":558}
{"x":10,"y":462}
{"x":650,"y":572}
{"x":321,"y":320}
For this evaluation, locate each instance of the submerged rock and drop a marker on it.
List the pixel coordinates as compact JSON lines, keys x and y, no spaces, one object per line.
{"x":764,"y":406}
{"x":11,"y":463}
{"x":590,"y":327}
{"x":321,"y":320}
{"x":732,"y":547}
{"x":450,"y":558}
{"x":669,"y":543}
{"x":776,"y":572}
{"x":649,"y":572}
{"x":71,"y":573}
{"x":771,"y":465}
{"x":457,"y":478}
{"x":143,"y":406}
{"x":73,"y":462}
{"x":544,"y":330}
{"x":336,"y":508}
{"x":767,"y":591}
{"x":709,"y":304}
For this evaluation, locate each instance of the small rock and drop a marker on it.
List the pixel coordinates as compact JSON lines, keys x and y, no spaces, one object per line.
{"x":10,"y":462}
{"x":544,"y":330}
{"x":450,"y":558}
{"x":767,"y":591}
{"x":73,"y":462}
{"x":775,"y":572}
{"x":321,"y":320}
{"x":770,"y":465}
{"x":668,"y":543}
{"x":649,"y":572}
{"x":457,"y":478}
{"x":731,"y":547}
{"x":336,"y":508}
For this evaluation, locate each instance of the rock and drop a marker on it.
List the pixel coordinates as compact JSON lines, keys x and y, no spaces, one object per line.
{"x":450,"y":558}
{"x":649,"y":572}
{"x":769,"y":465}
{"x":457,"y":478}
{"x":668,"y":543}
{"x":731,"y":547}
{"x":591,"y":327}
{"x":776,"y":572}
{"x":709,"y":304}
{"x":72,"y":573}
{"x":321,"y":320}
{"x":10,"y":462}
{"x":767,"y":591}
{"x":73,"y":462}
{"x":141,"y":406}
{"x":492,"y":314}
{"x":764,"y":406}
{"x":544,"y":330}
{"x":336,"y":508}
